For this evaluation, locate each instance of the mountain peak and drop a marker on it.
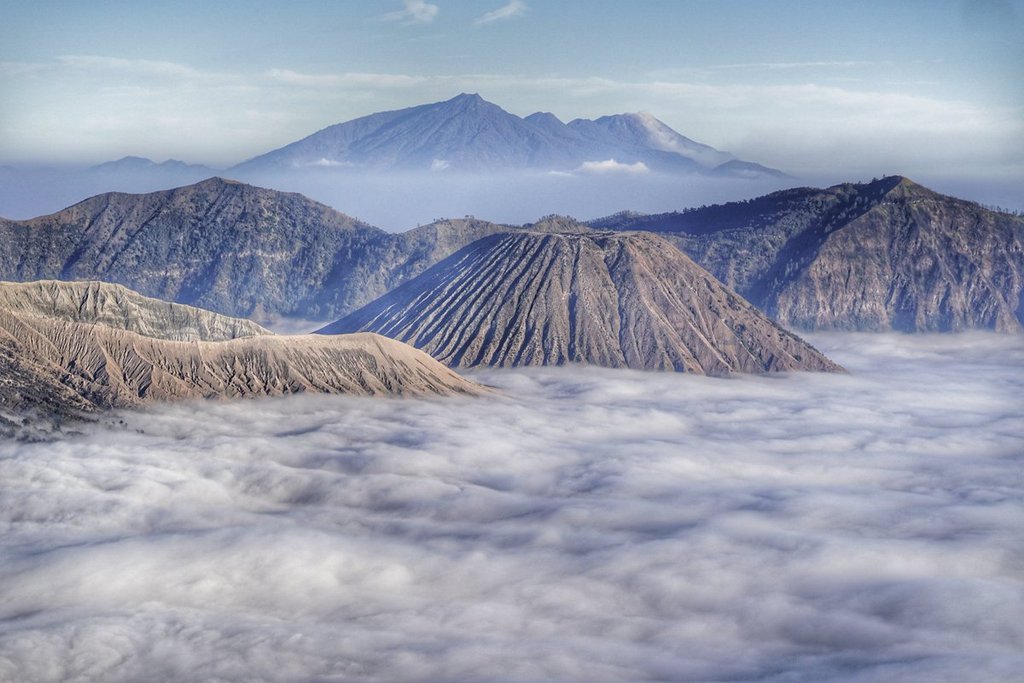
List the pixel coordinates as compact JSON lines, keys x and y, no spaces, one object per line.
{"x":894,"y":186}
{"x":905,"y":188}
{"x":543,"y":117}
{"x":468,"y":101}
{"x":679,"y":317}
{"x":125,"y":163}
{"x":216,"y":182}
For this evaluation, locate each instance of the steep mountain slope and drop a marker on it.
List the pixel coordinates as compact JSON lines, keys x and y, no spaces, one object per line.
{"x":232,"y":248}
{"x":418,"y":249}
{"x":618,"y":300}
{"x":889,"y":254}
{"x":467,"y":133}
{"x":58,"y":359}
{"x":883,"y":255}
{"x":218,"y":244}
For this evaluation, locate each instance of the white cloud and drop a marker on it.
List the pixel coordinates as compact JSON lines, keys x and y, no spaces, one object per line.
{"x":589,"y":525}
{"x":415,"y":12}
{"x":324,"y":162}
{"x":515,"y":8}
{"x":137,"y":67}
{"x":775,"y":66}
{"x":348,"y":79}
{"x":612,"y":166}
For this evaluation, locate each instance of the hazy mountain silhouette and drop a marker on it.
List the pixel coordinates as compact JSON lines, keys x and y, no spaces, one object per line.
{"x":467,"y":133}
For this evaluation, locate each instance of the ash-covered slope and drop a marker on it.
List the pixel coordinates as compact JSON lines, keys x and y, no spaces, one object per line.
{"x":617,"y":300}
{"x":57,"y":359}
{"x":884,"y":255}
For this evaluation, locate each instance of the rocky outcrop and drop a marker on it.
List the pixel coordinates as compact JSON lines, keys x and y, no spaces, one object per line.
{"x":56,"y":360}
{"x":886,"y":255}
{"x":616,"y":300}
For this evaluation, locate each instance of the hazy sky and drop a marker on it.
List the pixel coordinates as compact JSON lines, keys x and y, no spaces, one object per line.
{"x":803,"y":86}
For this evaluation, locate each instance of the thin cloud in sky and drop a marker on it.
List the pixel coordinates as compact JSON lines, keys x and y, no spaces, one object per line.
{"x":139,"y":67}
{"x":515,"y":8}
{"x":852,"y":63}
{"x":415,"y":12}
{"x":381,"y":80}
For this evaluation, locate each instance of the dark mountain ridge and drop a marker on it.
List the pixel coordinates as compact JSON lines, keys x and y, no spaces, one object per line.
{"x":217,"y":244}
{"x":889,"y":254}
{"x":229,"y":247}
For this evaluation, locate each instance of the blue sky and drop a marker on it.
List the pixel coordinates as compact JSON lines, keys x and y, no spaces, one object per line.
{"x":866,"y":87}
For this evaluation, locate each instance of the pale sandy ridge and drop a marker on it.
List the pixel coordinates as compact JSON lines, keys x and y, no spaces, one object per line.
{"x":52,"y":360}
{"x":102,"y":303}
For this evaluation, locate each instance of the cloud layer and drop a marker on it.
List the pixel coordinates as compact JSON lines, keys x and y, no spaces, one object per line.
{"x":587,"y":525}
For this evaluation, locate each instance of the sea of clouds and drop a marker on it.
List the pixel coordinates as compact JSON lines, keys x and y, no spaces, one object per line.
{"x":584,"y":525}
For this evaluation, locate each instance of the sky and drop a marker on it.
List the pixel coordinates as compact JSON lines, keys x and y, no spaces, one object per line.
{"x":870,"y":87}
{"x":586,"y":524}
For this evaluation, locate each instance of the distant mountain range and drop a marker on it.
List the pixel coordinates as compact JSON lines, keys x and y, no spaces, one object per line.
{"x":463,"y":155}
{"x":133,"y":164}
{"x":468,"y":133}
{"x":884,"y":255}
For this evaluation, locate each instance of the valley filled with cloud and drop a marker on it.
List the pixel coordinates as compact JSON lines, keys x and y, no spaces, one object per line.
{"x":582,"y":524}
